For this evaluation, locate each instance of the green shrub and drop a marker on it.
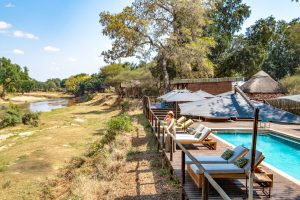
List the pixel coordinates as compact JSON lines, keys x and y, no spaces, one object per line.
{"x":125,"y":106}
{"x":31,"y":118}
{"x":12,"y":116}
{"x":120,"y":123}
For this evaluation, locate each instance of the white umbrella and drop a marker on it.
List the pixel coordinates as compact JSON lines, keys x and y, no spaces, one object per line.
{"x":204,"y":94}
{"x":171,"y":93}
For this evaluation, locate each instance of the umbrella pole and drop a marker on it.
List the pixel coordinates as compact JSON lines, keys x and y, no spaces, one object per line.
{"x":176,"y":104}
{"x":253,"y":149}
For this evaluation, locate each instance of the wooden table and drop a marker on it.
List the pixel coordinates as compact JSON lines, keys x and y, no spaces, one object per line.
{"x":212,"y":144}
{"x":265,"y":180}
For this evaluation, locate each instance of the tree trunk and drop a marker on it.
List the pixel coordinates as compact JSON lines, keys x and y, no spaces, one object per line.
{"x":165,"y":75}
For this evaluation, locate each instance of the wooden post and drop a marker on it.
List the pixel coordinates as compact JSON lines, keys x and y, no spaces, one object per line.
{"x":171,"y":148}
{"x":253,"y":150}
{"x":163,"y":139}
{"x":182,"y":168}
{"x":158,"y":136}
{"x":155,"y":125}
{"x":205,"y":188}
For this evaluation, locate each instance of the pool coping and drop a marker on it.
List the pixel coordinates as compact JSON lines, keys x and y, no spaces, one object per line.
{"x":283,"y":174}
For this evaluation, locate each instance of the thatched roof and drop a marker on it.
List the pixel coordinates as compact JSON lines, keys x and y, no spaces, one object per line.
{"x":205,"y":80}
{"x":262,"y":83}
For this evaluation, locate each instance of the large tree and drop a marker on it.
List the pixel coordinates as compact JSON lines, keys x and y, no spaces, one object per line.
{"x":172,"y":30}
{"x":10,"y":76}
{"x":227,"y":18}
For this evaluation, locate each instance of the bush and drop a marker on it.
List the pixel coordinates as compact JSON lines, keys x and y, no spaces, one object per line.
{"x":31,"y":118}
{"x":11,"y":117}
{"x":125,"y":106}
{"x":120,"y":123}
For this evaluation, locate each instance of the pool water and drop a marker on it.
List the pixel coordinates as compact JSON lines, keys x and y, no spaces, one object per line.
{"x":280,"y":152}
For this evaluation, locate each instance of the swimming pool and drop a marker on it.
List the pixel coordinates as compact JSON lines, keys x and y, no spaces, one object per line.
{"x":280,"y":152}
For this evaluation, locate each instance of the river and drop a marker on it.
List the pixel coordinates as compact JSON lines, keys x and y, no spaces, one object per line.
{"x":50,"y":104}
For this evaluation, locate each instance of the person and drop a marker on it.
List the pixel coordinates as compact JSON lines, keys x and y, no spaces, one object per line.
{"x":170,"y":128}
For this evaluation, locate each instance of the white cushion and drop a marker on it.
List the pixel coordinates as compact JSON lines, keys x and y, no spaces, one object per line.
{"x":206,"y":159}
{"x":219,"y":169}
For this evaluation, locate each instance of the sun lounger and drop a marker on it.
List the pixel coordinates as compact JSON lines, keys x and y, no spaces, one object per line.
{"x":186,"y":138}
{"x":238,"y":152}
{"x":185,"y":124}
{"x":180,"y":121}
{"x":224,"y":170}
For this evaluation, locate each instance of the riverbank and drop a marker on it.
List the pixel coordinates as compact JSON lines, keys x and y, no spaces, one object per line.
{"x":35,"y":96}
{"x":33,"y":159}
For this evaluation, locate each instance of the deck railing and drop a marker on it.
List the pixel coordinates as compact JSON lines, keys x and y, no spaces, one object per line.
{"x":206,"y":177}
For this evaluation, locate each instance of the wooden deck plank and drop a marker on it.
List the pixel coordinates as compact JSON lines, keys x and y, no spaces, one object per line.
{"x":283,"y":188}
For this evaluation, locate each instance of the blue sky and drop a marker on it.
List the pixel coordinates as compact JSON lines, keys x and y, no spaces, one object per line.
{"x":59,"y":38}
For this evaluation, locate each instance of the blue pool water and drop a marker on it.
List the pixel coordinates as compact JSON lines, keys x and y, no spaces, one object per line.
{"x":281,"y":152}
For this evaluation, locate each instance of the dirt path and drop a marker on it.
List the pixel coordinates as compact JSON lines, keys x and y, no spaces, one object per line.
{"x":142,"y":176}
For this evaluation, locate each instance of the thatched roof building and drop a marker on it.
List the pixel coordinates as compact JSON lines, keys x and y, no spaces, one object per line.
{"x":262,"y":86}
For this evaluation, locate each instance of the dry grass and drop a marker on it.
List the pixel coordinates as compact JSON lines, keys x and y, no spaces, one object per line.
{"x":28,"y":160}
{"x":50,"y":164}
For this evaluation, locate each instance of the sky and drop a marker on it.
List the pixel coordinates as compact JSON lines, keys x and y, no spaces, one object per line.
{"x":60,"y":38}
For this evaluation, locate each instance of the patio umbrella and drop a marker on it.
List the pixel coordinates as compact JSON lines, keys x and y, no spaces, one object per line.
{"x":204,"y":94}
{"x":184,"y":96}
{"x":171,"y":93}
{"x":224,"y":105}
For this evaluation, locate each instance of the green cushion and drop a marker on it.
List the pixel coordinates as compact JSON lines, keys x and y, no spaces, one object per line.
{"x":241,"y":162}
{"x":197,"y":135}
{"x":227,"y":154}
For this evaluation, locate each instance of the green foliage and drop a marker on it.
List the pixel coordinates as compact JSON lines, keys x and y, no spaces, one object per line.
{"x":292,"y":83}
{"x":125,"y":106}
{"x":266,"y":45}
{"x":12,"y":116}
{"x":73,"y":83}
{"x":12,"y":76}
{"x":172,"y":30}
{"x":91,"y":85}
{"x":120,"y":123}
{"x":227,"y":18}
{"x":31,"y":118}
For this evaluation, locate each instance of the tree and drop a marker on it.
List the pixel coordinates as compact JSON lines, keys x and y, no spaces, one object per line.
{"x":72,"y":83}
{"x":227,"y":18}
{"x":9,"y":76}
{"x":171,"y":30}
{"x":267,"y":45}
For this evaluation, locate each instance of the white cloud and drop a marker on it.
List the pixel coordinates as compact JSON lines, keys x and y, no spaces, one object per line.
{"x":51,"y":49}
{"x":9,"y":5}
{"x":21,"y":34}
{"x":71,"y":59}
{"x":4,"y":25}
{"x":18,"y":51}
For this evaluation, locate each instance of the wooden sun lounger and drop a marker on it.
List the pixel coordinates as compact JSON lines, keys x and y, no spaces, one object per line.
{"x":237,"y":173}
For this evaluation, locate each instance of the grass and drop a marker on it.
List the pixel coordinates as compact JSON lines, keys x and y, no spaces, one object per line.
{"x":58,"y":150}
{"x":27,"y":160}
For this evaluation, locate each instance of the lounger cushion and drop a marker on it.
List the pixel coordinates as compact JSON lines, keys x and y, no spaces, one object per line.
{"x":205,"y":132}
{"x":258,"y":157}
{"x":186,"y":137}
{"x":199,"y":128}
{"x":187,"y":123}
{"x":227,"y":154}
{"x":241,"y":162}
{"x":219,"y":169}
{"x":238,"y":152}
{"x":206,"y":160}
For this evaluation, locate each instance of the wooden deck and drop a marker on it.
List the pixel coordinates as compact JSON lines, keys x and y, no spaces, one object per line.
{"x":235,"y":188}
